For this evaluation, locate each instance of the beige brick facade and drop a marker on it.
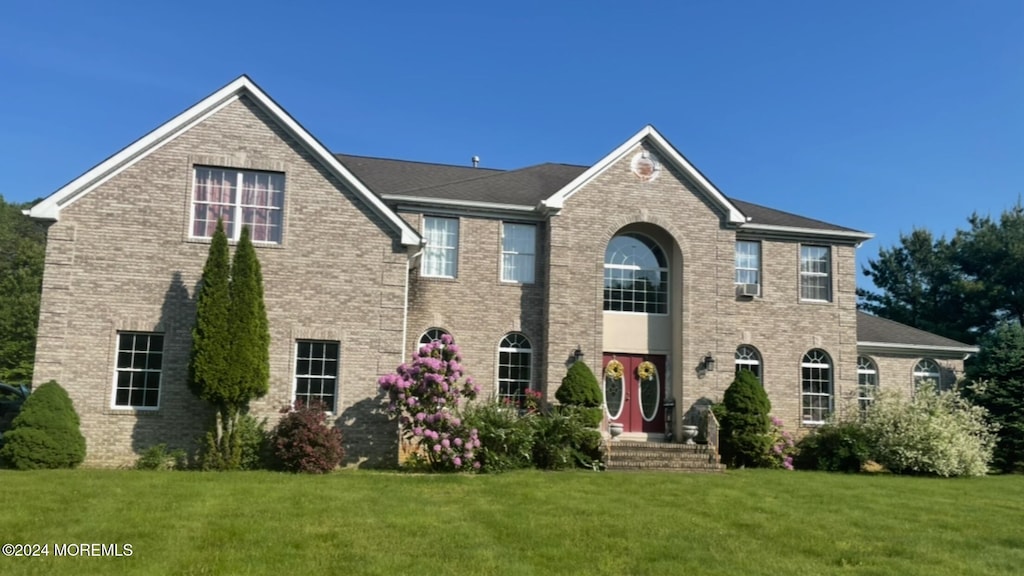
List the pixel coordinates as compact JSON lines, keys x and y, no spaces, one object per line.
{"x":120,"y":258}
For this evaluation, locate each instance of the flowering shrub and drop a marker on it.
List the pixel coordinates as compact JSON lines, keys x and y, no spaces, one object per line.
{"x":424,"y":395}
{"x":303,"y":443}
{"x":932,"y":433}
{"x":782,"y":446}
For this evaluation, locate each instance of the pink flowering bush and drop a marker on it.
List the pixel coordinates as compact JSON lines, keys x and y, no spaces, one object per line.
{"x":425,"y":396}
{"x":783,"y":447}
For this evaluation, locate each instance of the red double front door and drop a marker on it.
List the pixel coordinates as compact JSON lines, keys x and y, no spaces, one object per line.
{"x":633,"y":400}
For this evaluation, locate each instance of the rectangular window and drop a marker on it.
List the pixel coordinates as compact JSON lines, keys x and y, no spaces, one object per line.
{"x":316,"y":373}
{"x":748,"y":264}
{"x":139,"y":364}
{"x":441,"y":255}
{"x":241,"y":198}
{"x":815,"y":273}
{"x":518,"y":252}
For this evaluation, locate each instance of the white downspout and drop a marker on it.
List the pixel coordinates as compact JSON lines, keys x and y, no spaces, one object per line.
{"x":410,"y":263}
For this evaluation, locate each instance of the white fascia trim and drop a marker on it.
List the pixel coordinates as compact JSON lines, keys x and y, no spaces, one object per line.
{"x":427,"y":201}
{"x":886,"y":347}
{"x":49,"y":209}
{"x":557,"y":200}
{"x":791,"y":231}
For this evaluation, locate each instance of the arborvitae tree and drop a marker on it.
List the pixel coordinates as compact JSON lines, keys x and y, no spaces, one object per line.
{"x":22,"y":251}
{"x":211,"y":363}
{"x":997,"y":384}
{"x":580,"y":388}
{"x":745,"y":422}
{"x":250,"y":332}
{"x":46,"y":434}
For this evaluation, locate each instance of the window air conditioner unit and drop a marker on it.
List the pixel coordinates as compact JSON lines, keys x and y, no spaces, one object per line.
{"x":748,"y":289}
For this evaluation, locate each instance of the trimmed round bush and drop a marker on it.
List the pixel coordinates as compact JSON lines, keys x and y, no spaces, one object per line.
{"x":46,"y":434}
{"x":835,"y":447}
{"x":745,"y":437}
{"x":304,"y":443}
{"x":580,"y":388}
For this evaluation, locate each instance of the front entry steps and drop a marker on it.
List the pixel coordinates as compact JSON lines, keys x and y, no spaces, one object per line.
{"x":632,"y":455}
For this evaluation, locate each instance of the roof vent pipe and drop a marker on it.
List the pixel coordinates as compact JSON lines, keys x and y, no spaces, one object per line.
{"x":476,"y":161}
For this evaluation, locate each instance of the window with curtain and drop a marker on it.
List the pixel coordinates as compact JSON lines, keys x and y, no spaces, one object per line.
{"x":518,"y":252}
{"x":241,"y":198}
{"x":441,"y":255}
{"x":748,"y":263}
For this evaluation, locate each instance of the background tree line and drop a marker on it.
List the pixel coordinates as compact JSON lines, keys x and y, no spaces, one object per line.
{"x":969,"y":287}
{"x":22,"y":251}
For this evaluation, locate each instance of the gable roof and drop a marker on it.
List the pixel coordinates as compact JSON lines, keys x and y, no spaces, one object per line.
{"x":50,"y":208}
{"x":880,"y":334}
{"x":654,"y":138}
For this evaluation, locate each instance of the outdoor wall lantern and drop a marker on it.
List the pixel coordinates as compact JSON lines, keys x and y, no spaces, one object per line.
{"x":577,"y":354}
{"x":707,"y":364}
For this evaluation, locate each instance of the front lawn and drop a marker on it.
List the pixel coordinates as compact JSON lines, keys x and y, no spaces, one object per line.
{"x":738,"y":523}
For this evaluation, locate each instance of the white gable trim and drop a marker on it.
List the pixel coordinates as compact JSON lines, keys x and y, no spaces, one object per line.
{"x":557,"y":200}
{"x":50,"y":208}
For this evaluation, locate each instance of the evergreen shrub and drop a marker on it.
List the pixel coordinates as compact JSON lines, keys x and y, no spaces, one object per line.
{"x":506,"y":437}
{"x":580,"y":388}
{"x":46,"y":434}
{"x":565,"y":438}
{"x":841,"y":446}
{"x":745,"y":436}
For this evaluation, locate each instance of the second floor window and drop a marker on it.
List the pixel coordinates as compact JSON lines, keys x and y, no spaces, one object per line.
{"x":748,"y":263}
{"x":815,"y":273}
{"x":441,"y":256}
{"x":518,"y":252}
{"x":241,"y":198}
{"x":635,"y":275}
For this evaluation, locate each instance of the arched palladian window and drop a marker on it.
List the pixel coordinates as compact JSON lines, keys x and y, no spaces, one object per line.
{"x":434,"y":335}
{"x":635,"y":275}
{"x":515,"y":356}
{"x":816,"y":387}
{"x":927,"y":370}
{"x":747,"y":358}
{"x":867,"y":381}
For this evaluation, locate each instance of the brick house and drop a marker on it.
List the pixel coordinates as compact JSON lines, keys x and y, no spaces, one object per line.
{"x":636,"y":258}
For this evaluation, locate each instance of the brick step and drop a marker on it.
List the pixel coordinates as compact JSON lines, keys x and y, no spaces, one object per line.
{"x":638,"y":456}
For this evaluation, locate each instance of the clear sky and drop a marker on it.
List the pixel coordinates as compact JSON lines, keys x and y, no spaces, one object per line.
{"x":879,"y":116}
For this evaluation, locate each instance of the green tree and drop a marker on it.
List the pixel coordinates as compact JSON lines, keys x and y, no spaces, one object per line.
{"x":990,"y":255}
{"x":580,"y":388}
{"x":250,"y":332}
{"x":745,"y":437}
{"x":46,"y":434}
{"x":22,"y":252}
{"x":997,"y":384}
{"x":211,"y":364}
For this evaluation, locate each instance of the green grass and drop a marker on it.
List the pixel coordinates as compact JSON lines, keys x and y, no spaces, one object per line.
{"x":738,"y":523}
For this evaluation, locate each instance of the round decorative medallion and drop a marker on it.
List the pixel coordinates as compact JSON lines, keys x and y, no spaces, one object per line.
{"x":646,"y":166}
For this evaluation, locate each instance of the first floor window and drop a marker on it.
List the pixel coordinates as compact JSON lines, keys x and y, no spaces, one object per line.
{"x":518,"y":252}
{"x":928,"y":370}
{"x":441,"y":255}
{"x":815,"y":273}
{"x":434,"y":335}
{"x":816,"y":384}
{"x":316,"y":373}
{"x":241,"y":198}
{"x":748,"y":263}
{"x":139,"y":364}
{"x":747,"y":358}
{"x":867,"y":382}
{"x":515,"y":357}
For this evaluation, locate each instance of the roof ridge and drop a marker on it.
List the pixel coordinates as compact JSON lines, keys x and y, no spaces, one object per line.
{"x":420,"y":162}
{"x":463,"y":181}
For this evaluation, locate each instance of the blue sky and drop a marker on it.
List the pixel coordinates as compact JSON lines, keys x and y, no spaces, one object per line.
{"x":879,"y":116}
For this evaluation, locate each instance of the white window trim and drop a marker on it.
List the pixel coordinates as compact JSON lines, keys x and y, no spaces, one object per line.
{"x":831,"y":386}
{"x":296,"y":376}
{"x":512,"y":349}
{"x":634,"y":268}
{"x":755,"y":361}
{"x":920,"y":376}
{"x":504,"y":253}
{"x":826,"y":275}
{"x":866,"y":368}
{"x":757,"y":270}
{"x":160,"y":386}
{"x":453,"y":250}
{"x":236,"y":205}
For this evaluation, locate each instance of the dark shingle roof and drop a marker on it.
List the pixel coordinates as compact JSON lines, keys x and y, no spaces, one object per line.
{"x":883,"y":331}
{"x":522,"y":187}
{"x":772,"y":217}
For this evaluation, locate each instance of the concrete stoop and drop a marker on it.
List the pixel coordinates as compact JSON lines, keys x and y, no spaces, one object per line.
{"x":631,"y":455}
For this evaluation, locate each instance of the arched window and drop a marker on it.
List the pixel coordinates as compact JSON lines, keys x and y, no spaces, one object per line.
{"x":927,"y":370}
{"x":747,"y":358}
{"x":635,"y":275}
{"x":816,"y":386}
{"x":515,"y":355}
{"x":867,"y":381}
{"x":434,"y":335}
